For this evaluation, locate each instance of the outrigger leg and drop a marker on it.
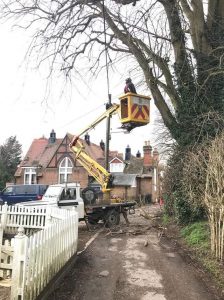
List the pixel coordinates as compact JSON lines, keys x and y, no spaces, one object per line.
{"x":125,"y":215}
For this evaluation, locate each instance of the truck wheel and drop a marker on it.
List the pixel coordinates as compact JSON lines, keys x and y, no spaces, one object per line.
{"x":112,"y":218}
{"x":89,"y":196}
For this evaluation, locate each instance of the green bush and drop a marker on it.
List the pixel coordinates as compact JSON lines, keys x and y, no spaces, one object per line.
{"x":183,"y":211}
{"x":197,"y":235}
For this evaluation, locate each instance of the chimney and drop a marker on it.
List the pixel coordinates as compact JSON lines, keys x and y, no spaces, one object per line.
{"x":138,"y":154}
{"x":52,"y":137}
{"x":127,"y":153}
{"x":102,"y":145}
{"x":155,"y":154}
{"x":87,"y":139}
{"x":147,"y":150}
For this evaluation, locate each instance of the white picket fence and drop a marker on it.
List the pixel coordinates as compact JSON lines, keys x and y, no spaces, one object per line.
{"x":32,"y":259}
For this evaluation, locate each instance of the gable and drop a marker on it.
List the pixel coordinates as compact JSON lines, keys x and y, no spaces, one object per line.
{"x":61,"y":150}
{"x":116,"y":160}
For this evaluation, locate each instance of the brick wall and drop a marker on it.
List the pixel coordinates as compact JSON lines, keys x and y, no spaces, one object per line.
{"x":127,"y":193}
{"x":50,"y":176}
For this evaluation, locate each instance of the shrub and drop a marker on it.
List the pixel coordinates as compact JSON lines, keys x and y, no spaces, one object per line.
{"x":197,"y":234}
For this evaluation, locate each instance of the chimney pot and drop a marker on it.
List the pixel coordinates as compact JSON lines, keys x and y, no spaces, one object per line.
{"x":127,"y":153}
{"x":138,"y":154}
{"x":52,"y":137}
{"x":87,"y":138}
{"x":102,"y":145}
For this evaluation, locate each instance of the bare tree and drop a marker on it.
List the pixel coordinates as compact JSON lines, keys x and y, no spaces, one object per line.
{"x":175,"y":45}
{"x":204,"y":185}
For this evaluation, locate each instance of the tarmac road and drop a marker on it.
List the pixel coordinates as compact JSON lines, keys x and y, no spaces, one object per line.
{"x":131,"y":263}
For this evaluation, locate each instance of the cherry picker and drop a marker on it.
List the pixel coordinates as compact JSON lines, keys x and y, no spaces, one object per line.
{"x":133,"y":111}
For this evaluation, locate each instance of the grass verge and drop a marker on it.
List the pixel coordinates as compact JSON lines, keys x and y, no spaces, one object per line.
{"x":197,"y":237}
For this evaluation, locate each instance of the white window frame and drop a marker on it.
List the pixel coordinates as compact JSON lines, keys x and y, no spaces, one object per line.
{"x":117,"y":167}
{"x":31,"y":174}
{"x":65,"y":170}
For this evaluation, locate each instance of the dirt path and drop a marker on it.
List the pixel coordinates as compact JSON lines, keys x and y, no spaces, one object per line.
{"x":133,"y":263}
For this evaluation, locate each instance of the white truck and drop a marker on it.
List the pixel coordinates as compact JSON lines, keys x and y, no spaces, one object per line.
{"x":68,"y":196}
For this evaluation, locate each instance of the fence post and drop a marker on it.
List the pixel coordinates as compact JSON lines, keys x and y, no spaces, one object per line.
{"x":3,"y":218}
{"x":19,"y":264}
{"x":75,"y":226}
{"x":48,"y":220}
{"x":1,"y":242}
{"x":4,"y":215}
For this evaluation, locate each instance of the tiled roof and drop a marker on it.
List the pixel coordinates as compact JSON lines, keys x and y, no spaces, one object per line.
{"x":49,"y":152}
{"x":93,"y":150}
{"x":121,"y":179}
{"x":134,"y":165}
{"x":41,"y":152}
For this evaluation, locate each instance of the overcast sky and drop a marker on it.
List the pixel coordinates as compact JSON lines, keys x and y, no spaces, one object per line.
{"x":28,"y":113}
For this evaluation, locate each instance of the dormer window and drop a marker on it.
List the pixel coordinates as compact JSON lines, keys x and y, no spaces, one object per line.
{"x":116,"y":165}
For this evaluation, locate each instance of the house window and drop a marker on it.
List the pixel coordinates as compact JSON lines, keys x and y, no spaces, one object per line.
{"x":116,"y":167}
{"x":65,"y":170}
{"x":30,"y":176}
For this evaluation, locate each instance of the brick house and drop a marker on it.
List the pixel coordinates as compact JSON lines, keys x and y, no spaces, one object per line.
{"x":50,"y":161}
{"x":141,"y":179}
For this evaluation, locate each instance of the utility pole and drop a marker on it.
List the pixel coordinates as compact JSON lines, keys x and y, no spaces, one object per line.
{"x":107,"y":148}
{"x":108,"y":136}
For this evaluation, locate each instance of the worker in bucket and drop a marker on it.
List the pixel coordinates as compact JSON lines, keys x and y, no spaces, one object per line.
{"x":129,"y":87}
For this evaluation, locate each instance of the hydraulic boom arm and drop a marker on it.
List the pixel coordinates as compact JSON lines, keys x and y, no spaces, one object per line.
{"x":133,"y":111}
{"x":94,"y":168}
{"x":109,"y":112}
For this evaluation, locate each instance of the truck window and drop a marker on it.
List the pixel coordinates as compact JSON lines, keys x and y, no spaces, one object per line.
{"x":68,"y":194}
{"x":73,"y":193}
{"x":62,"y":197}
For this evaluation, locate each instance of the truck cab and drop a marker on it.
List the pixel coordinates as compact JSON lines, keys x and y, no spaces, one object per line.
{"x":65,"y":196}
